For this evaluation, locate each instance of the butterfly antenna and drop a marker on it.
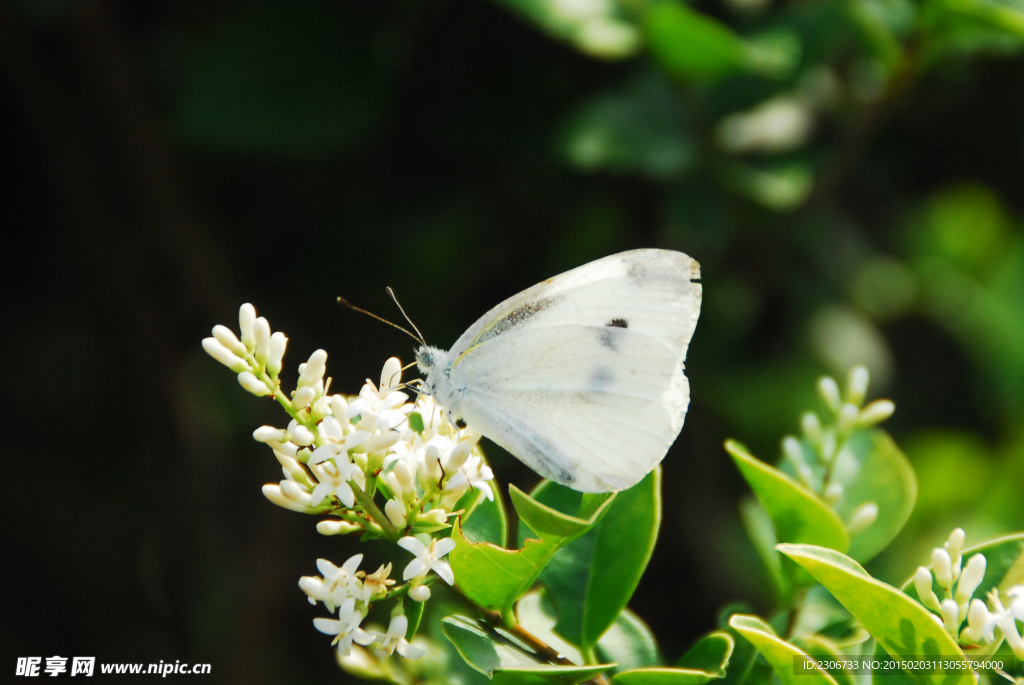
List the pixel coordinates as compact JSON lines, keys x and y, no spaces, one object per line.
{"x":392,"y":294}
{"x":342,"y":300}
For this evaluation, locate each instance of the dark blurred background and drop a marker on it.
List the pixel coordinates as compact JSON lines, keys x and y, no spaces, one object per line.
{"x":849,"y":176}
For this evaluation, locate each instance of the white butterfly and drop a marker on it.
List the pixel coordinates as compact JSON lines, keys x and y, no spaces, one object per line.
{"x":581,"y":376}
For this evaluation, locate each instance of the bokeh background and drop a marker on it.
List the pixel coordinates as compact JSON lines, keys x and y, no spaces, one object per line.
{"x":848,"y":173}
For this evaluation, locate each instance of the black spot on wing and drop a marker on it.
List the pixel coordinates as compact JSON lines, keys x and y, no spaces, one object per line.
{"x":600,"y":378}
{"x":517,"y":317}
{"x":618,"y":323}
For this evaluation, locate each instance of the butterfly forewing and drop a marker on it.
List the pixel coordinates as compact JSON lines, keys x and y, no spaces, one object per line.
{"x":582,"y":375}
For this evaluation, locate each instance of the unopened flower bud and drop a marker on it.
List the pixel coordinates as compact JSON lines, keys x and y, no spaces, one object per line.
{"x":303,"y":396}
{"x":876,"y":412}
{"x":951,"y":616}
{"x":437,"y":517}
{"x":313,"y":586}
{"x":857,"y":385}
{"x":394,"y":485}
{"x":299,"y":434}
{"x":458,"y":457}
{"x":378,"y":442}
{"x":226,"y":337}
{"x":977,"y":616}
{"x":336,"y":527}
{"x":829,"y":391}
{"x":942,"y":566}
{"x":224,"y":355}
{"x":420,"y":593}
{"x":313,"y":370}
{"x":834,"y":492}
{"x":254,"y":385}
{"x":971,"y":578}
{"x":288,"y":448}
{"x":395,"y":513}
{"x":862,"y":518}
{"x":432,"y":472}
{"x":269,"y":434}
{"x":811,"y":426}
{"x":391,"y":375}
{"x":261,"y":336}
{"x":294,"y":491}
{"x":923,"y":585}
{"x":278,"y":344}
{"x":293,"y":469}
{"x":847,"y":419}
{"x":404,"y":476}
{"x":273,"y":492}
{"x":954,"y":546}
{"x":246,"y":318}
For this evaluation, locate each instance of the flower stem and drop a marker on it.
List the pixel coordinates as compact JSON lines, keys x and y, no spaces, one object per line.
{"x":371,"y":508}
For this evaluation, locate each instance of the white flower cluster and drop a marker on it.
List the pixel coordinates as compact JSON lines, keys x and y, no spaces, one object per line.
{"x":337,"y":453}
{"x":350,"y":591}
{"x":828,"y":438}
{"x":959,"y":582}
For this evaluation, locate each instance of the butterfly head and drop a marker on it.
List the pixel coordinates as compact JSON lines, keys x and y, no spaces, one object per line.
{"x":429,"y":358}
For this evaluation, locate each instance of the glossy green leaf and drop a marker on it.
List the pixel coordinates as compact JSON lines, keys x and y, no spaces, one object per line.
{"x":497,"y":655}
{"x":819,"y":646}
{"x":761,"y":532}
{"x":799,"y":515}
{"x":414,"y":614}
{"x":872,"y":468}
{"x":628,"y":643}
{"x":547,"y":675}
{"x":485,"y":519}
{"x":899,"y":623}
{"x":778,"y":652}
{"x":711,"y":654}
{"x":690,"y":44}
{"x":592,"y":579}
{"x":603,"y":33}
{"x":664,"y":675}
{"x":495,"y":577}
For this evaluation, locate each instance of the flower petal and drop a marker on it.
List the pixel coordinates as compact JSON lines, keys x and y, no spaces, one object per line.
{"x":442,"y":569}
{"x":442,"y":547}
{"x":413,"y":545}
{"x":415,"y":568}
{"x":327,"y":626}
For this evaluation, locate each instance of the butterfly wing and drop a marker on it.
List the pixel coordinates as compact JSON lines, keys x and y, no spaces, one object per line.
{"x":581,"y":376}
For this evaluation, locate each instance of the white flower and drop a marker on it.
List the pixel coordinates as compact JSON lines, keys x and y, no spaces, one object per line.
{"x":394,"y":640}
{"x":428,"y":557}
{"x":336,"y":438}
{"x":420,"y":593}
{"x":382,"y":408}
{"x":1005,"y":618}
{"x":346,"y":629}
{"x":334,"y":477}
{"x":337,"y":584}
{"x":376,"y":583}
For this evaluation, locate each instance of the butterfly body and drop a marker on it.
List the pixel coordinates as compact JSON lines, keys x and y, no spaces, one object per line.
{"x":581,"y":376}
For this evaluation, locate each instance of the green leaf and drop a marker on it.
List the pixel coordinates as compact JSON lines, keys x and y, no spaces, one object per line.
{"x":628,"y":643}
{"x":692,"y":45}
{"x":416,"y":421}
{"x":819,"y":646}
{"x":799,"y":515}
{"x":777,"y":651}
{"x":548,"y":675}
{"x":604,"y":33}
{"x":761,"y":532}
{"x":873,"y":469}
{"x":711,"y":654}
{"x":495,"y":577}
{"x":665,"y":675}
{"x":900,"y":624}
{"x":485,"y":519}
{"x":414,"y":614}
{"x":634,"y":128}
{"x":592,"y":579}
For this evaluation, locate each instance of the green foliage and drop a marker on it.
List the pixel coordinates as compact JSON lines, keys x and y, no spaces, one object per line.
{"x":778,"y":652}
{"x":900,"y":625}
